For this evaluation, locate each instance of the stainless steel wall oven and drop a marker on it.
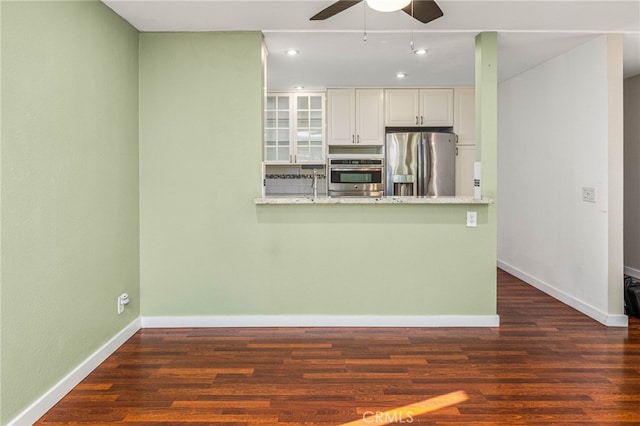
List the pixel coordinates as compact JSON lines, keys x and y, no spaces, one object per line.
{"x":356,"y":177}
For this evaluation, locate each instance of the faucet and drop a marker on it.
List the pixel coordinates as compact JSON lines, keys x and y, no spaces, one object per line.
{"x":314,"y":183}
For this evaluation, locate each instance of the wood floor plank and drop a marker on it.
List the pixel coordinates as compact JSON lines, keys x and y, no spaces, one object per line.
{"x":546,"y":364}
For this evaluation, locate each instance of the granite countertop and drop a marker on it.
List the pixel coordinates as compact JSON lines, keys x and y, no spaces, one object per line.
{"x":366,"y":200}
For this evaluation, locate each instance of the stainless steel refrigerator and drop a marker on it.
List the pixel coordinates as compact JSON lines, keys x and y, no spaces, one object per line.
{"x":420,"y":164}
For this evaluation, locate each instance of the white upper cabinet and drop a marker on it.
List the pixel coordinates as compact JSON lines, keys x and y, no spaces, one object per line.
{"x":402,"y":107}
{"x":294,"y":128}
{"x":419,"y":107}
{"x":436,"y":107}
{"x":278,"y":137}
{"x":355,"y":116}
{"x":370,"y":116}
{"x":309,"y":128}
{"x":465,"y":115}
{"x":341,"y":116}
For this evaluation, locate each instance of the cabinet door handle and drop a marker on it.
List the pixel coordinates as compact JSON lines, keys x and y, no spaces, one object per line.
{"x":358,"y":139}
{"x":456,"y":151}
{"x":421,"y":119}
{"x":353,"y":138}
{"x":417,"y":122}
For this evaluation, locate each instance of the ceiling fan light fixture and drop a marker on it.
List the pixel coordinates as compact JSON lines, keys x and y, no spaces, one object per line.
{"x":388,"y":5}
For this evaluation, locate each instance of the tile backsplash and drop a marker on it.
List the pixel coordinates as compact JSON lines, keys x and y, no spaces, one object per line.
{"x":287,"y":180}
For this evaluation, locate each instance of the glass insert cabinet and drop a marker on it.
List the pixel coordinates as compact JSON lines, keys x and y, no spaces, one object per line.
{"x":294,"y":128}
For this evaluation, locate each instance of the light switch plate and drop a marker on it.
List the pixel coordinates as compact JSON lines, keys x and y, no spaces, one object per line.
{"x":472,"y":219}
{"x":589,"y":194}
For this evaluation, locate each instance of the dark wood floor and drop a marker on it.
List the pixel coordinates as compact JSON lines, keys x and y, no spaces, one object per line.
{"x":546,"y":364}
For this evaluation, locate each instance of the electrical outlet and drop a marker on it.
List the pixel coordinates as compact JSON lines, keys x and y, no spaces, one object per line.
{"x":123,"y":299}
{"x":589,"y":194}
{"x":472,"y":219}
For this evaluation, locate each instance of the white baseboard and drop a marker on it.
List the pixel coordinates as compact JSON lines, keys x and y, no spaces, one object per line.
{"x":60,"y":389}
{"x":322,"y":321}
{"x":635,"y":273}
{"x":590,"y":311}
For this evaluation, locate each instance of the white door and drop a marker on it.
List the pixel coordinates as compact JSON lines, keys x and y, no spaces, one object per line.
{"x":369,"y":117}
{"x":277,"y":128}
{"x":436,"y":107}
{"x":402,"y":107}
{"x":341,"y":106}
{"x":309,"y":133}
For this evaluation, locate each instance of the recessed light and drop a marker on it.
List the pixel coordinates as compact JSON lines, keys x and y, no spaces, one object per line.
{"x":292,"y":52}
{"x":299,"y":87}
{"x":421,"y":51}
{"x":401,"y":75}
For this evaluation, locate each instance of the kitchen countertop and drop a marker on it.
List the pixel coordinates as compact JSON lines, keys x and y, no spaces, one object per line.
{"x":270,"y":200}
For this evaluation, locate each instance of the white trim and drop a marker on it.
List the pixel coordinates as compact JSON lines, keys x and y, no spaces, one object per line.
{"x":322,"y":321}
{"x":635,"y":273}
{"x":590,"y":311}
{"x":616,"y":321}
{"x":60,"y":389}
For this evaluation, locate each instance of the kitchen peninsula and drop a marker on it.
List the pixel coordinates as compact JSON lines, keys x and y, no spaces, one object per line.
{"x":374,"y":201}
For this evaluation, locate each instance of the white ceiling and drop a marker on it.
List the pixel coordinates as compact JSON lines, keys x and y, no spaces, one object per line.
{"x":333,"y":53}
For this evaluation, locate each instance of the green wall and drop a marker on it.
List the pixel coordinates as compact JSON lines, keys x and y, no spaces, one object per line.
{"x":206,"y":249}
{"x":69,"y":185}
{"x":486,"y":72}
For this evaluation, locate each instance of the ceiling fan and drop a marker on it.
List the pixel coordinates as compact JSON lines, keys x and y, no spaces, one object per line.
{"x":422,"y":10}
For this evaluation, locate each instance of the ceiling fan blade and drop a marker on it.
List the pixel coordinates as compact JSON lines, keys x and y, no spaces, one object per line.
{"x":334,"y":9}
{"x":424,"y":10}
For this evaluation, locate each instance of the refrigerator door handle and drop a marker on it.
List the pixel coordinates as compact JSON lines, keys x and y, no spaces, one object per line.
{"x":420,"y":187}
